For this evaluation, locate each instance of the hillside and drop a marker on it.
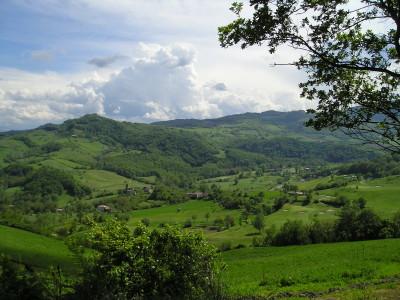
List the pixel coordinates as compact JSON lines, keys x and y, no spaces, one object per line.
{"x":208,"y":149}
{"x":293,"y":120}
{"x":37,"y":250}
{"x":285,"y":272}
{"x":217,"y":177}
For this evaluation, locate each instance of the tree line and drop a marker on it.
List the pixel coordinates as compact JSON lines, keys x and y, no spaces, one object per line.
{"x":355,"y":223}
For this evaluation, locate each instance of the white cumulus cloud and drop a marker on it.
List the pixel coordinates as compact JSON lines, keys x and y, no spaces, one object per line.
{"x":160,"y":84}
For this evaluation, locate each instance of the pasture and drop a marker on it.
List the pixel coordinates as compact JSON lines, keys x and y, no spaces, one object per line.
{"x":195,"y":210}
{"x":101,"y":180}
{"x":202,"y":215}
{"x":37,"y":250}
{"x":270,"y":270}
{"x":252,"y":271}
{"x":382,"y":194}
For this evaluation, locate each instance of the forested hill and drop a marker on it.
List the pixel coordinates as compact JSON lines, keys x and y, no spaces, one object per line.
{"x":293,"y":120}
{"x":197,"y":149}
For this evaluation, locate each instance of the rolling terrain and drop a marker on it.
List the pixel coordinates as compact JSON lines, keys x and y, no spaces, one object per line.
{"x":54,"y":178}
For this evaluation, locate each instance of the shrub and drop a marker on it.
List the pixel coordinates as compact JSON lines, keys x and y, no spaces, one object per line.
{"x":279,"y":203}
{"x":187,"y":224}
{"x":20,"y":282}
{"x":145,"y":222}
{"x":225,"y":246}
{"x":148,"y":264}
{"x":395,"y":225}
{"x":258,"y":222}
{"x":321,"y":232}
{"x":240,"y":246}
{"x":229,"y":221}
{"x":292,"y":233}
{"x":286,"y":281}
{"x":219,"y":223}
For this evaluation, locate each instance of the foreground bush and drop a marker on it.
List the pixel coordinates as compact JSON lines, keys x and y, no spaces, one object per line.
{"x":19,"y":282}
{"x":148,"y":264}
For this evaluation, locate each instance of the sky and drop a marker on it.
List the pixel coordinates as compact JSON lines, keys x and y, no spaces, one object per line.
{"x":134,"y":60}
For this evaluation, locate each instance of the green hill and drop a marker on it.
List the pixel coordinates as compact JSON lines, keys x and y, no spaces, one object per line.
{"x":181,"y":149}
{"x":97,"y":158}
{"x":53,"y":179}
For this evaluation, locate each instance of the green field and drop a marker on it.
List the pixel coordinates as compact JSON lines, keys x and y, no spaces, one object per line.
{"x":299,"y":212}
{"x":382,"y":195}
{"x":319,"y":267}
{"x":196,"y":210}
{"x":179,"y":213}
{"x":251,"y":271}
{"x":35,"y":249}
{"x":101,"y":180}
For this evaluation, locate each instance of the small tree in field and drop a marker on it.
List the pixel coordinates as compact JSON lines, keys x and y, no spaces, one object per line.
{"x":258,"y":222}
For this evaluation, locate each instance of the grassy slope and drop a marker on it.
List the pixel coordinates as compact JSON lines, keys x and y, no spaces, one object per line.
{"x":309,"y":268}
{"x":178,"y":214}
{"x":37,"y":250}
{"x":382,"y":194}
{"x":301,"y":268}
{"x":99,"y":180}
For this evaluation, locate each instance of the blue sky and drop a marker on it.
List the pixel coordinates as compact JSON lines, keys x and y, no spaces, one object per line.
{"x":136,"y":60}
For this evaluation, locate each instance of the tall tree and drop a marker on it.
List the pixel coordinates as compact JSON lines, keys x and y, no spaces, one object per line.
{"x":350,"y":51}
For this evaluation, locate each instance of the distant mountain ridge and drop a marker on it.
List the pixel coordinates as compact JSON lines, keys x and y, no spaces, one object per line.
{"x":274,"y":117}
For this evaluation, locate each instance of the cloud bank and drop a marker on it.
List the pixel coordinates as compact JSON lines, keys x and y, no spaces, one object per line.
{"x":161,"y":84}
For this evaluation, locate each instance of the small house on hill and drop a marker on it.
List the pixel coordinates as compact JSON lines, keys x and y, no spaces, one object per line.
{"x":296,"y":193}
{"x":197,"y":195}
{"x":129,"y":190}
{"x":103,"y":208}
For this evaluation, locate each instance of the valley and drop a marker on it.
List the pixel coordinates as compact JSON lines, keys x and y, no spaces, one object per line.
{"x":239,"y":181}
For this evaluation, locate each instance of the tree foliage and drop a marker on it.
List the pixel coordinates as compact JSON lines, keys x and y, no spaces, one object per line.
{"x":148,"y":264}
{"x":19,"y":282}
{"x":352,"y":66}
{"x":355,"y":223}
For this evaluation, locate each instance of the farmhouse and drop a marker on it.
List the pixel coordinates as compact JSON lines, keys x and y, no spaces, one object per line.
{"x":129,"y":190}
{"x":296,"y":193}
{"x":103,"y":208}
{"x":197,"y":195}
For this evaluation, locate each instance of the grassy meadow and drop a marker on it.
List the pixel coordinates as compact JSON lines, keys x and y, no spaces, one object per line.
{"x":265,"y":271}
{"x":270,"y":270}
{"x":382,"y":194}
{"x":37,"y":250}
